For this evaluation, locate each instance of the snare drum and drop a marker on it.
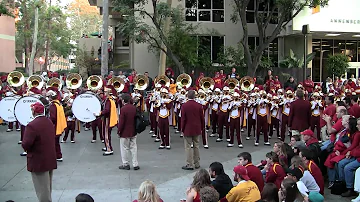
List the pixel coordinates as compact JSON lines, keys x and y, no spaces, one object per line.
{"x":7,"y":105}
{"x":22,"y":109}
{"x":85,"y":105}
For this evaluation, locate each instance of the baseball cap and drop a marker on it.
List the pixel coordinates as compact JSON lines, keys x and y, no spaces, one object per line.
{"x":242,"y":171}
{"x":308,"y":132}
{"x":38,"y":107}
{"x":296,"y":172}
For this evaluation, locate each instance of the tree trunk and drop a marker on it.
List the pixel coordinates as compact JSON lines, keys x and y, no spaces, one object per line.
{"x":178,"y":64}
{"x":26,"y":39}
{"x":33,"y":50}
{"x":104,"y":39}
{"x":45,"y":66}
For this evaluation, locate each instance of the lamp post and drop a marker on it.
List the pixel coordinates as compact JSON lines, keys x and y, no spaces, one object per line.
{"x":305,"y":31}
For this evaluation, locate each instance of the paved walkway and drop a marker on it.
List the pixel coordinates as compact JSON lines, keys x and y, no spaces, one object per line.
{"x":85,"y":169}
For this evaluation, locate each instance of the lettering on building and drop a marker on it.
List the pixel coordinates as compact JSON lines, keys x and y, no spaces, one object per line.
{"x":346,"y":21}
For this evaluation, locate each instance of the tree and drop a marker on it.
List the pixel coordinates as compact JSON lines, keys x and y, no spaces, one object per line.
{"x":33,"y":48}
{"x":85,"y":62}
{"x":84,"y":19}
{"x":5,"y":9}
{"x":136,"y":27}
{"x":286,"y":10}
{"x":293,"y":61}
{"x":337,"y":64}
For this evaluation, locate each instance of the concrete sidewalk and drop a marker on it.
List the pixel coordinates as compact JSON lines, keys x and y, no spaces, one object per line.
{"x":85,"y":169}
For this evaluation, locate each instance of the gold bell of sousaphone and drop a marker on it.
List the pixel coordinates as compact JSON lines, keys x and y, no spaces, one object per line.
{"x":247,"y":83}
{"x":141,"y":82}
{"x":54,"y":82}
{"x":232,"y":83}
{"x":36,"y":81}
{"x":207,"y":83}
{"x":73,"y":81}
{"x":15,"y":79}
{"x":118,"y":83}
{"x":162,"y":80}
{"x":94,"y":82}
{"x":184,"y":80}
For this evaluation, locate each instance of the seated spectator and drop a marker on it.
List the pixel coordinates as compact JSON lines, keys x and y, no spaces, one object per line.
{"x":312,"y":143}
{"x":269,"y":193}
{"x":332,"y":130}
{"x":357,"y":185}
{"x":307,"y":178}
{"x":222,"y":182}
{"x":254,"y":173}
{"x":306,"y":156}
{"x":280,"y":150}
{"x":245,"y":191}
{"x":296,"y":174}
{"x":201,"y":180}
{"x":209,"y":194}
{"x":289,"y":192}
{"x":354,"y":107}
{"x":274,"y":171}
{"x":148,"y":193}
{"x":84,"y":198}
{"x":296,"y":144}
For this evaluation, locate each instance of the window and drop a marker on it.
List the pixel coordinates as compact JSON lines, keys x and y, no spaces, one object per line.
{"x":264,"y":7}
{"x":210,"y":46}
{"x":271,"y":52}
{"x":204,"y":10}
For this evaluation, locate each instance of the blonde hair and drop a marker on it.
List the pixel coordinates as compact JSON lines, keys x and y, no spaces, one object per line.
{"x":147,"y":192}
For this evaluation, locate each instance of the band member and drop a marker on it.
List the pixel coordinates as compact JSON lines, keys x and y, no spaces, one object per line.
{"x":285,"y":108}
{"x":275,"y":116}
{"x":57,"y":116}
{"x":223,"y":115}
{"x":251,"y":114}
{"x":277,"y":83}
{"x":137,"y":98}
{"x":110,"y":118}
{"x":153,"y":110}
{"x":235,"y":109}
{"x":180,"y":100}
{"x":214,"y":103}
{"x":202,"y":100}
{"x":309,"y":85}
{"x":218,"y":81}
{"x":316,"y":108}
{"x":262,"y":119}
{"x":70,"y":120}
{"x":164,"y":105}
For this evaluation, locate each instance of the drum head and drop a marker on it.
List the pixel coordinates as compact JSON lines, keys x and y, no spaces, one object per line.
{"x":23,"y":109}
{"x":84,"y":107}
{"x":7,"y":105}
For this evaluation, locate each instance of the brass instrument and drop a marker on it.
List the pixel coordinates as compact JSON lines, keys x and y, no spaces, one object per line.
{"x":94,"y":82}
{"x":73,"y":81}
{"x":247,"y":83}
{"x":36,"y":81}
{"x":163,"y":80}
{"x":118,"y":83}
{"x":201,"y":96}
{"x":207,"y":83}
{"x":184,"y":80}
{"x":232,"y":83}
{"x":141,"y":82}
{"x":54,"y":82}
{"x":15,"y":79}
{"x":290,"y":96}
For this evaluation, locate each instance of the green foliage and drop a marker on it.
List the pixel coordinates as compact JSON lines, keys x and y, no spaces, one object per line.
{"x":85,"y":61}
{"x":123,"y":65}
{"x":232,"y":57}
{"x":337,"y":64}
{"x":5,"y":9}
{"x":294,"y":61}
{"x":266,"y":63}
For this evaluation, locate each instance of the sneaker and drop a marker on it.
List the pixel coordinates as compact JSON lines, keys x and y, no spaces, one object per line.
{"x":86,"y":129}
{"x":247,"y":138}
{"x":267,"y":143}
{"x":59,"y":160}
{"x":181,"y":135}
{"x":124,"y":167}
{"x":136,"y":168}
{"x":153,"y":135}
{"x":212,"y":135}
{"x":18,"y":129}
{"x":219,"y":140}
{"x":331,"y":184}
{"x":230,"y":145}
{"x":157,"y":140}
{"x":161,"y":147}
{"x":240,"y":146}
{"x":103,"y":141}
{"x":227,"y":140}
{"x":357,"y":199}
{"x":151,"y":132}
{"x":72,"y":141}
{"x":23,"y":154}
{"x":9,"y":130}
{"x":20,"y":142}
{"x":107,"y":153}
{"x":192,"y":146}
{"x":256,"y":144}
{"x":168,"y":147}
{"x":242,"y":130}
{"x":93,"y":141}
{"x":206,"y":146}
{"x":62,"y":141}
{"x":270,"y":137}
{"x":177,"y":131}
{"x":187,"y":167}
{"x":103,"y":149}
{"x":320,"y":141}
{"x":207,"y":130}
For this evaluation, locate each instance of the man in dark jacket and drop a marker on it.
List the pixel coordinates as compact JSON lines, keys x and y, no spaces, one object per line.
{"x":290,"y":84}
{"x":39,"y":142}
{"x":300,"y":114}
{"x":222,"y":182}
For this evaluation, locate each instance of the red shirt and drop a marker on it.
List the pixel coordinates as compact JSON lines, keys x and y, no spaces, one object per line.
{"x":338,"y":127}
{"x":255,"y":175}
{"x":218,"y":82}
{"x":355,"y":110}
{"x":329,"y":110}
{"x":316,"y":173}
{"x":309,"y":86}
{"x":277,"y":84}
{"x":276,"y":175}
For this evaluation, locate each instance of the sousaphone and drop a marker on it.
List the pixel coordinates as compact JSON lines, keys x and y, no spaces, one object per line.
{"x":141,"y":82}
{"x":73,"y":81}
{"x":36,"y":81}
{"x":184,"y":80}
{"x":118,"y":83}
{"x":232,"y":83}
{"x":94,"y":82}
{"x":163,"y":80}
{"x":15,"y":79}
{"x":207,"y":83}
{"x":247,"y":83}
{"x":54,"y":82}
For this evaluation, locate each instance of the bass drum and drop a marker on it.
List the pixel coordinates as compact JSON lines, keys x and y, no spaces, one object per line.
{"x":7,"y":105}
{"x":85,"y":105}
{"x":22,"y":109}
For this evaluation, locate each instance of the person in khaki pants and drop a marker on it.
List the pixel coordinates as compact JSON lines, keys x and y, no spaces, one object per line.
{"x":39,"y":142}
{"x":192,"y":125}
{"x":127,"y":134}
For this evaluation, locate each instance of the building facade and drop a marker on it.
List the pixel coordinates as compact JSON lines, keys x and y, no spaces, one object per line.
{"x":7,"y":41}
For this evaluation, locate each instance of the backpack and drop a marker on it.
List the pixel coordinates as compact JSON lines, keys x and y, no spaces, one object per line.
{"x":140,"y":122}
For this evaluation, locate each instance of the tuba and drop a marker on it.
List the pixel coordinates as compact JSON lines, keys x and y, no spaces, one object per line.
{"x":247,"y":83}
{"x":94,"y":82}
{"x":73,"y":81}
{"x":15,"y":79}
{"x":232,"y":83}
{"x":36,"y":81}
{"x":54,"y":82}
{"x":184,"y":80}
{"x":163,"y":80}
{"x":141,"y":82}
{"x":118,"y":83}
{"x":207,"y":83}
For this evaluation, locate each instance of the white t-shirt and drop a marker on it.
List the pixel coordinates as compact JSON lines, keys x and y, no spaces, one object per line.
{"x":302,"y":188}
